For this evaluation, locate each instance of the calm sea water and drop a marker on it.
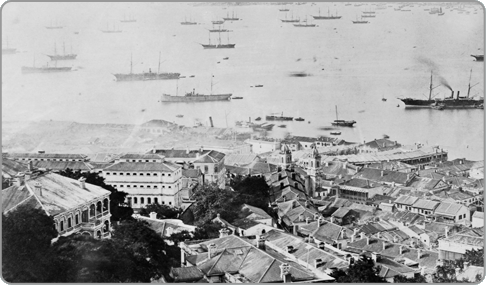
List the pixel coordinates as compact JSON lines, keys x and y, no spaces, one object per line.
{"x":351,"y":66}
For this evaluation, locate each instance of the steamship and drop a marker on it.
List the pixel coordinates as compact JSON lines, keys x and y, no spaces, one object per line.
{"x":448,"y":102}
{"x":146,"y":75}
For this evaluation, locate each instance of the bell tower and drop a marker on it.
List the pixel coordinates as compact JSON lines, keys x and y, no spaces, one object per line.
{"x":285,"y":157}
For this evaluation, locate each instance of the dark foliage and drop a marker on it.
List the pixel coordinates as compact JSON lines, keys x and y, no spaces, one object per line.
{"x":118,"y":208}
{"x":163,"y":211}
{"x":362,"y":271}
{"x":26,"y":240}
{"x":418,"y":278}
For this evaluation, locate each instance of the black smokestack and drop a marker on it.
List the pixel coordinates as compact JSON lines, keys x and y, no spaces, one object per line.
{"x":457,"y":94}
{"x":452,"y":95}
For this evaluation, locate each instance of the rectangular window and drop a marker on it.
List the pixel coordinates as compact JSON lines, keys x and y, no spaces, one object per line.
{"x":141,"y":200}
{"x":168,"y":174}
{"x":163,"y":174}
{"x":114,"y":173}
{"x":148,"y":174}
{"x":141,"y":186}
{"x":146,"y":160}
{"x":206,"y":169}
{"x":149,"y":201}
{"x":156,"y":200}
{"x":134,"y":186}
{"x":135,"y":200}
{"x":170,"y":203}
{"x":148,"y":186}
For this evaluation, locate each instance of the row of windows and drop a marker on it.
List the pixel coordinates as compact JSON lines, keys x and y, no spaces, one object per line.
{"x":141,"y":160}
{"x":51,"y":159}
{"x":85,"y":215}
{"x":142,"y":186}
{"x":149,"y":201}
{"x":135,"y":174}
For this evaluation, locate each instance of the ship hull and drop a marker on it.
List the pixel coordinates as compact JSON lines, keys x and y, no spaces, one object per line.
{"x":279,"y":118}
{"x":188,"y":23}
{"x":344,"y":123}
{"x":63,"y":57}
{"x":327,"y":17}
{"x":218,"y":46}
{"x":304,"y":26}
{"x":219,"y":31}
{"x":196,"y":98}
{"x":290,"y":21}
{"x":462,"y":103}
{"x":45,"y":69}
{"x":146,"y":76}
{"x":360,"y":22}
{"x":478,"y":57}
{"x":231,"y":19}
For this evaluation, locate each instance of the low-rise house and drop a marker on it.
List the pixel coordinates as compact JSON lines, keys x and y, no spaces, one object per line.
{"x":424,"y":207}
{"x":54,"y":161}
{"x":344,"y":216}
{"x":76,"y":206}
{"x":165,"y":227}
{"x":10,"y":169}
{"x":386,"y":177}
{"x":379,"y":145}
{"x":454,"y":246}
{"x":405,"y":203}
{"x":263,"y":146}
{"x":323,"y":231}
{"x":452,"y":212}
{"x":157,"y":127}
{"x":477,"y":219}
{"x":359,"y":190}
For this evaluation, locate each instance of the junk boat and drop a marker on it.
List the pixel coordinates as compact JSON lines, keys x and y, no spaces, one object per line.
{"x":299,"y":119}
{"x":328,"y":17}
{"x":63,"y":56}
{"x":179,"y":116}
{"x":8,"y":50}
{"x":278,"y":118}
{"x":342,"y":123}
{"x":237,"y":98}
{"x":129,"y":20}
{"x":448,"y":102}
{"x":478,"y":57}
{"x":146,"y":75}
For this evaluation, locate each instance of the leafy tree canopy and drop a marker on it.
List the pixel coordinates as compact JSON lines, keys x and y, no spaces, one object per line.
{"x":163,"y":211}
{"x":26,"y":239}
{"x":419,"y":278}
{"x":118,"y":208}
{"x":362,"y":271}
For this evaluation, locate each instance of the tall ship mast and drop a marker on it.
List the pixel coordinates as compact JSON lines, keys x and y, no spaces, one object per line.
{"x":305,"y":25}
{"x":63,"y":56}
{"x":108,"y":31}
{"x":44,"y":69}
{"x":146,"y":75}
{"x":360,"y":21}
{"x":218,"y":30}
{"x":231,"y":18}
{"x":8,"y":50}
{"x":342,"y":123}
{"x":219,"y":45}
{"x":54,"y":27}
{"x":130,"y":19}
{"x":218,"y":22}
{"x":190,"y":22}
{"x":197,"y":97}
{"x":448,"y":102}
{"x":291,"y":20}
{"x":328,"y":17}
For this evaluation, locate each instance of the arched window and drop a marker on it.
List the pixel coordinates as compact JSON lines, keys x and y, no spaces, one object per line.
{"x":149,"y":201}
{"x":92,"y":211}
{"x":135,"y":200}
{"x":84,"y":216}
{"x":61,"y":227}
{"x":142,"y":200}
{"x":156,"y":200}
{"x":105,"y":205}
{"x":106,"y":227}
{"x":76,"y":219}
{"x":98,"y":207}
{"x":69,"y":223}
{"x":98,"y":234}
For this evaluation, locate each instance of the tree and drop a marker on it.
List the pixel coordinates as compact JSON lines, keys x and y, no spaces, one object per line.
{"x":362,"y":271}
{"x":251,"y":190}
{"x":163,"y":211}
{"x":474,"y":257}
{"x":211,"y":201}
{"x":26,"y":239}
{"x":419,"y":278}
{"x":446,"y":273}
{"x":118,"y":208}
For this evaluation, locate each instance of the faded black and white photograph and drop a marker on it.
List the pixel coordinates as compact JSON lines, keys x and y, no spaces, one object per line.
{"x":243,"y":142}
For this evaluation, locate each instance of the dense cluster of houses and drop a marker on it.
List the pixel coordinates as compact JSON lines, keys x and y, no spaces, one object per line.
{"x":407,"y":208}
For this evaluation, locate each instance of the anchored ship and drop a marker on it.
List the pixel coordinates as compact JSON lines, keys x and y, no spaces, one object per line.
{"x":129,"y":20}
{"x":360,"y":21}
{"x":44,"y":69}
{"x":8,"y":50}
{"x":280,"y":117}
{"x":219,"y":45}
{"x":305,"y":25}
{"x":328,"y":17}
{"x":196,"y":97}
{"x":218,"y":30}
{"x":63,"y":56}
{"x":291,"y":20}
{"x":111,"y":31}
{"x":342,"y":123}
{"x":218,"y":22}
{"x":146,"y":75}
{"x":54,"y":27}
{"x":448,"y":102}
{"x":190,"y":22}
{"x":232,"y":18}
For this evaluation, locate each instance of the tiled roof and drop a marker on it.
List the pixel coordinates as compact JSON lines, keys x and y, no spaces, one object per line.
{"x":388,"y":175}
{"x":59,"y":193}
{"x":141,"y":156}
{"x":448,"y":209}
{"x":406,"y":200}
{"x":238,"y":159}
{"x":143,"y":166}
{"x":255,"y":212}
{"x":341,"y":212}
{"x":180,"y":153}
{"x":191,"y":173}
{"x":425,"y":204}
{"x":12,"y":167}
{"x":157,"y":123}
{"x":167,"y":227}
{"x":186,"y":274}
{"x":47,"y":155}
{"x":478,"y":215}
{"x":328,"y":232}
{"x":62,"y":165}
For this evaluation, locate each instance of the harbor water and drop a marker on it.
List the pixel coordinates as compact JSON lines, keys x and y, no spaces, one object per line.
{"x":347,"y":65}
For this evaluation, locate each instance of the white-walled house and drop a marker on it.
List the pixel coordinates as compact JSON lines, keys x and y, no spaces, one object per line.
{"x":147,"y":178}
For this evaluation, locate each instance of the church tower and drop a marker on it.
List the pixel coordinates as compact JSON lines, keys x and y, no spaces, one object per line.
{"x":285,"y":157}
{"x":313,"y":164}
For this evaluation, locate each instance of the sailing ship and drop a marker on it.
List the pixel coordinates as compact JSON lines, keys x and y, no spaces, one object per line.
{"x":129,"y":20}
{"x":219,"y":45}
{"x":368,"y":16}
{"x":291,"y":20}
{"x":342,"y":123}
{"x":197,"y":97}
{"x":369,"y":12}
{"x":218,"y":30}
{"x":54,"y":27}
{"x":218,"y":22}
{"x":440,"y":12}
{"x":305,"y":25}
{"x":283,"y":10}
{"x":360,"y":21}
{"x":146,"y":75}
{"x":63,"y":56}
{"x":280,"y":117}
{"x":44,"y":69}
{"x":448,"y":102}
{"x":111,"y":31}
{"x":232,"y":18}
{"x":478,"y":57}
{"x":8,"y":50}
{"x":328,"y":17}
{"x":190,"y":22}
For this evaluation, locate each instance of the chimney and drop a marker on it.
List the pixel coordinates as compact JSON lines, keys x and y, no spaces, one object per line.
{"x":290,"y":248}
{"x":332,"y":219}
{"x":38,"y":188}
{"x":452,"y":95}
{"x":345,"y":165}
{"x":279,"y":176}
{"x":223,"y":232}
{"x":19,"y":179}
{"x":446,"y":231}
{"x":29,"y":166}
{"x":367,"y":241}
{"x":317,"y":262}
{"x":82,"y":182}
{"x":211,"y":249}
{"x":306,"y":204}
{"x":153,"y":150}
{"x":322,"y":245}
{"x":419,"y":254}
{"x":285,"y":273}
{"x":301,"y":218}
{"x":408,"y":177}
{"x":261,"y":243}
{"x":362,"y":235}
{"x":400,"y":250}
{"x":319,"y":221}
{"x":153,"y":215}
{"x":327,"y":163}
{"x":307,"y":220}
{"x":375,"y":256}
{"x":378,"y":235}
{"x":466,"y":265}
{"x":28,"y":175}
{"x":295,"y":230}
{"x":293,"y":176}
{"x":384,"y":245}
{"x":382,"y":173}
